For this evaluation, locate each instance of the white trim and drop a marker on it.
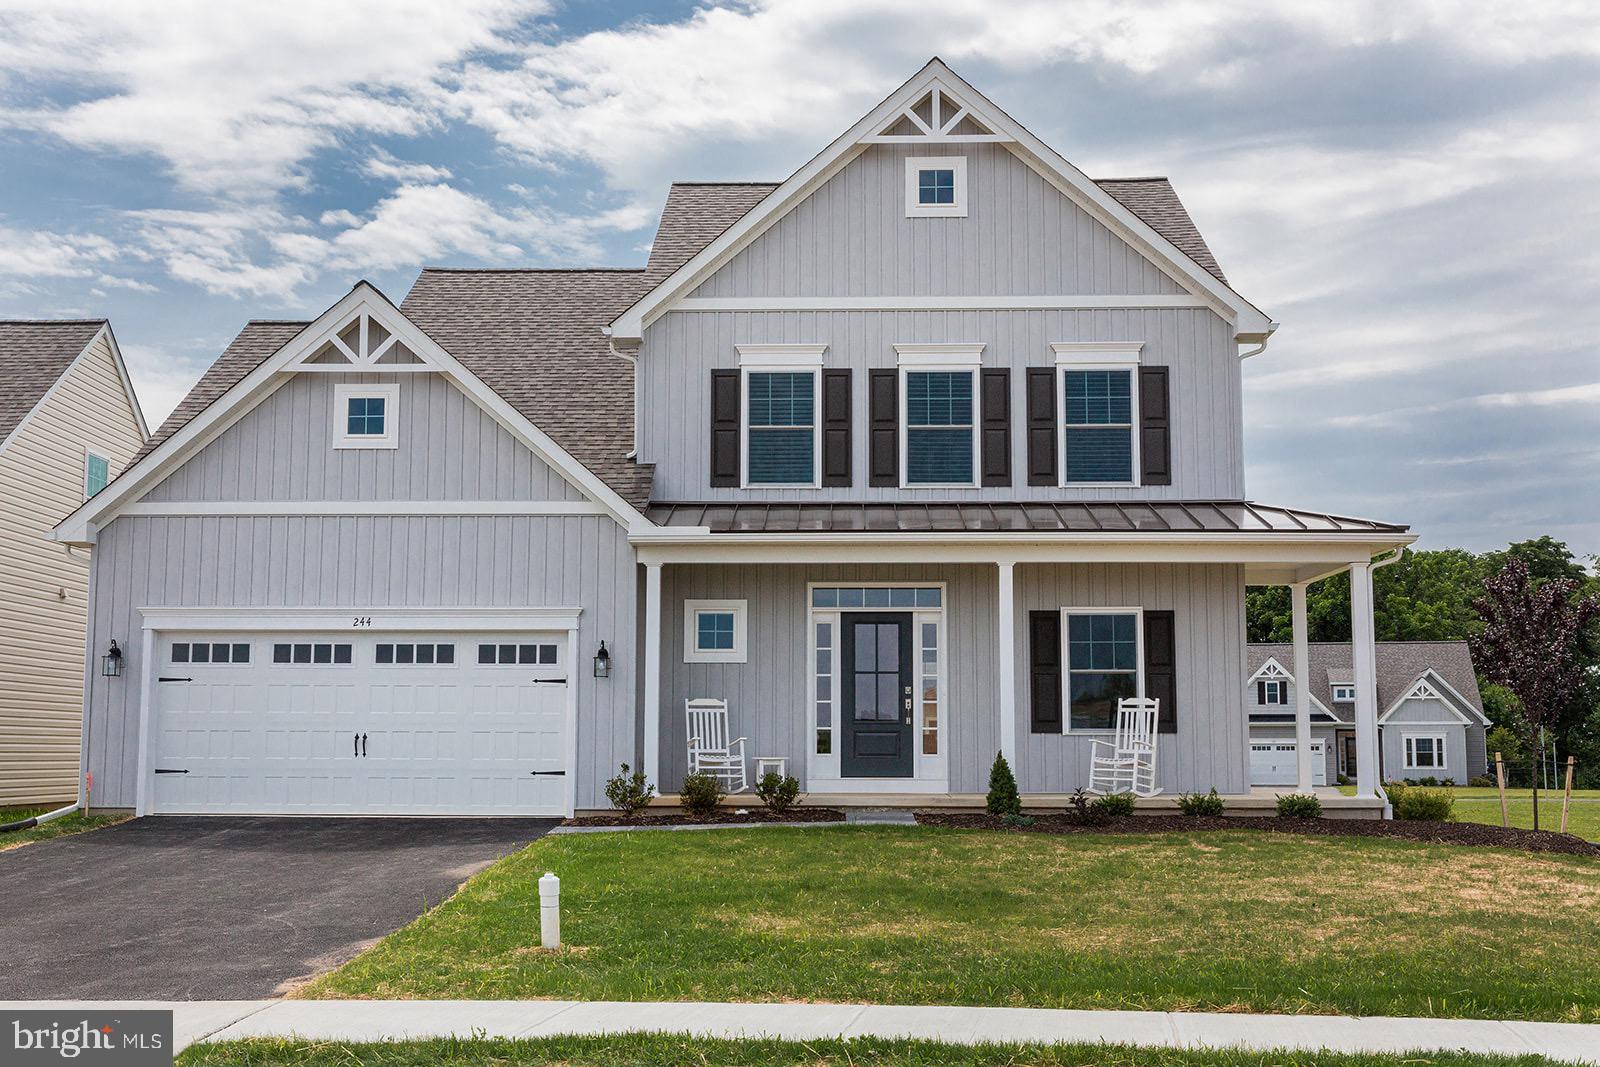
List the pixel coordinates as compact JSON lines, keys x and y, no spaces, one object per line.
{"x":907,"y":302}
{"x":1268,"y":670}
{"x":1066,"y":661}
{"x":365,"y":507}
{"x":1112,"y":353}
{"x":388,"y":392}
{"x":1459,"y":706}
{"x":1132,"y":371}
{"x":940,"y":356}
{"x":1440,"y":751}
{"x":378,"y":619}
{"x":915,"y":209}
{"x":762,"y":356}
{"x":693,"y":653}
{"x":795,"y":367}
{"x":936,"y":363}
{"x":275,"y":371}
{"x":1248,"y":321}
{"x":1283,"y":691}
{"x":1345,"y":687}
{"x":1006,"y":632}
{"x":652,"y":673}
{"x":1272,"y":662}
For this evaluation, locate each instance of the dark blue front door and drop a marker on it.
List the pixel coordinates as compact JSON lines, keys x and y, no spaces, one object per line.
{"x":877,"y":695}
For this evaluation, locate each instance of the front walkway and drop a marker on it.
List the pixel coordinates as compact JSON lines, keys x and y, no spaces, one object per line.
{"x":376,"y":1020}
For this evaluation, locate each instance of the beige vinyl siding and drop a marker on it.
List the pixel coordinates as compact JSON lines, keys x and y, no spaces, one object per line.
{"x":44,"y":586}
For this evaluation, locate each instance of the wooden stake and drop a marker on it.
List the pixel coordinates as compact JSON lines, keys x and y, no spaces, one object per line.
{"x":1566,"y":797}
{"x":1500,"y":777}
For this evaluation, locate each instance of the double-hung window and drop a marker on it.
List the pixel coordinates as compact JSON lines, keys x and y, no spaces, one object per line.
{"x":1274,"y":691}
{"x":781,"y":427}
{"x":1424,"y":752}
{"x":1103,"y":659}
{"x":939,"y":430}
{"x":1099,"y":385}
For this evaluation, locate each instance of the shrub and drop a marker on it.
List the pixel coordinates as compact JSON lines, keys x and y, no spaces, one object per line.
{"x":1299,"y":806}
{"x":1010,"y":819}
{"x":1428,"y":780}
{"x":778,"y":791}
{"x":1082,"y":809}
{"x":1481,"y":781}
{"x":700,"y":794}
{"x":1433,"y":805}
{"x":1343,"y":779}
{"x":1448,"y":782}
{"x":1114,"y":804}
{"x":1396,"y":790}
{"x":629,"y":793}
{"x":1201,"y":803}
{"x":1003,"y":797}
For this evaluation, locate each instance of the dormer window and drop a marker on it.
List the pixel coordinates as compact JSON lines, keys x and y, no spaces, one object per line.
{"x":365,"y":416}
{"x":1344,"y":694}
{"x":936,"y":187}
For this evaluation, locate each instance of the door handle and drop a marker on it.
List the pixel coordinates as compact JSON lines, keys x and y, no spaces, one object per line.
{"x":355,"y":745}
{"x":363,"y":746}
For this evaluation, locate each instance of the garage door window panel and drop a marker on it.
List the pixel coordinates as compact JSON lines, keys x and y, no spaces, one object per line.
{"x":519,"y":655}
{"x":413,"y":654}
{"x":210,"y":652}
{"x":312,"y":653}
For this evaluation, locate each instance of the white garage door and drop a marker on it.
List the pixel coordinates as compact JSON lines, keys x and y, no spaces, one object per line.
{"x":1272,"y":762}
{"x":375,"y":723}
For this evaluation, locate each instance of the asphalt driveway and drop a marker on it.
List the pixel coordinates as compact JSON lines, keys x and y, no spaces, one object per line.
{"x":225,"y":908}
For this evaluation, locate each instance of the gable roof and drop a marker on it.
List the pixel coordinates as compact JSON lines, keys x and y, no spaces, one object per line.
{"x":1399,"y":665}
{"x":1250,"y":324}
{"x":34,"y":354}
{"x":1156,"y":202}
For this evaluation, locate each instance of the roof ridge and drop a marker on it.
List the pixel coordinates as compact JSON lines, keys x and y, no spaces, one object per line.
{"x":51,"y":322}
{"x":1140,"y":178}
{"x":533,"y":270}
{"x":280,"y":322}
{"x":718,"y":181}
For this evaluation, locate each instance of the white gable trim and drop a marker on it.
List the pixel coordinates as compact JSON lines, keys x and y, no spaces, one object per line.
{"x":55,"y":387}
{"x":1430,"y":685}
{"x":277,"y":369}
{"x":1250,"y":324}
{"x":1272,"y":670}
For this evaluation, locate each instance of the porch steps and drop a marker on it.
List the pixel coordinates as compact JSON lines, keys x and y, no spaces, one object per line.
{"x":880,"y":817}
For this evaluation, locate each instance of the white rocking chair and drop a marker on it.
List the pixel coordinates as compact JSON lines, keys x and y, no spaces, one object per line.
{"x":1127,"y":764}
{"x":710,"y":751}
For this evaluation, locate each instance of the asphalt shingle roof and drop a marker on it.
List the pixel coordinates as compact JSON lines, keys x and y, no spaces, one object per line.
{"x":1156,"y":202}
{"x":1399,"y":664}
{"x":33,"y":355}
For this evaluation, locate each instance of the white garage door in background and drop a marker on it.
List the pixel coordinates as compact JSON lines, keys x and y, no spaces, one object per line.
{"x":342,"y":723}
{"x":1272,"y":762}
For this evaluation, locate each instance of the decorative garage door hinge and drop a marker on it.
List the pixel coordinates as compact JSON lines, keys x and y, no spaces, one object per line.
{"x":170,"y":770}
{"x":555,"y":773}
{"x":174,"y":679}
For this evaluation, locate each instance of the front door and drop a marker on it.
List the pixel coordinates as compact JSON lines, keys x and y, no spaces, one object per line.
{"x":1347,"y":764}
{"x":877,"y":696}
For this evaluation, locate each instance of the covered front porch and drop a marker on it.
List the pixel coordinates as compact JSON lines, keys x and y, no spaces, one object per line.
{"x":887,"y":668}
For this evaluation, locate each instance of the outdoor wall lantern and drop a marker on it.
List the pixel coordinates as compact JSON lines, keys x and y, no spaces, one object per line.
{"x":111,"y":662}
{"x":602,"y":662}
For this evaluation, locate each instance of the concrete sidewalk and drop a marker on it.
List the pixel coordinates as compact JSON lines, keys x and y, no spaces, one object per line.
{"x":380,"y":1020}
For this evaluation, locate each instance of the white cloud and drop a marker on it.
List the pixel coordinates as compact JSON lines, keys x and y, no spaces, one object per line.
{"x":386,"y":167}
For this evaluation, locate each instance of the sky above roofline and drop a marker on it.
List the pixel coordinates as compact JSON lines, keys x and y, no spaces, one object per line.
{"x":1408,"y":188}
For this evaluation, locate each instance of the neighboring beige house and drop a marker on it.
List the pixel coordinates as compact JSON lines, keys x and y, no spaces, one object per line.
{"x":69,"y":422}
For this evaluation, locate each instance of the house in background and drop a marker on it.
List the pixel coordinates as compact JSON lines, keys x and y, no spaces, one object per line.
{"x":69,"y":422}
{"x":1430,"y":716}
{"x":930,"y":451}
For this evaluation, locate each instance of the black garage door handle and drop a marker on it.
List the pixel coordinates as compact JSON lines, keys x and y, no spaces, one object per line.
{"x":169,"y":770}
{"x":557,"y":773}
{"x":174,"y":679}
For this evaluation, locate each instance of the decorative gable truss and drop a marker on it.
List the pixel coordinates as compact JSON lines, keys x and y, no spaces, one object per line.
{"x":1272,"y":670}
{"x":364,"y":333}
{"x":938,"y":118}
{"x":1430,"y":685}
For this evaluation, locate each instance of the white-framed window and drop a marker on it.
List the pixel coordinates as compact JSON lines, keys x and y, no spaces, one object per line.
{"x":1274,"y":691}
{"x":714,"y":631}
{"x":1099,"y":393}
{"x":414,"y":654}
{"x":1104,"y":658}
{"x":312,"y":653}
{"x":824,"y":631}
{"x":938,"y":415}
{"x":1424,"y":752}
{"x":96,"y":473}
{"x":187,"y":652}
{"x":512,"y":654}
{"x":1344,"y":694}
{"x":781,"y":403}
{"x":936,"y":187}
{"x":366,"y":416}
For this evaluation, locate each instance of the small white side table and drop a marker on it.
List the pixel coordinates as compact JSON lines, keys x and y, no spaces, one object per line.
{"x":771,"y":765}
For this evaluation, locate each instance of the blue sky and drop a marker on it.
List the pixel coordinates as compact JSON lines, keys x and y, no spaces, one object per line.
{"x":1410,"y":189}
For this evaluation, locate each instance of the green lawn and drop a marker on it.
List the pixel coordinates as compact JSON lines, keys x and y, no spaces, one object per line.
{"x":1475,"y":804}
{"x":1220,"y":920}
{"x":76,"y":823}
{"x":663,"y":1050}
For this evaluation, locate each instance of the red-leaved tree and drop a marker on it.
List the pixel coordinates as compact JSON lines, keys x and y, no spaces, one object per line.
{"x":1529,"y":644}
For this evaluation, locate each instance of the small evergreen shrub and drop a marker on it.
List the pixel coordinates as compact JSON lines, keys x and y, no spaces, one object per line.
{"x":1343,"y":779}
{"x":1448,"y":782}
{"x":1003,"y":796}
{"x":1010,"y":819}
{"x":778,"y":791}
{"x":1201,"y":803}
{"x":1481,"y":781}
{"x":1299,"y":806}
{"x":700,"y":794}
{"x":1427,"y":780}
{"x":1432,"y":805}
{"x":1082,"y":809}
{"x":629,"y":793}
{"x":1113,"y":804}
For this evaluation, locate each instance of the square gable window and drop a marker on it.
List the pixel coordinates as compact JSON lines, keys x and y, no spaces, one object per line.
{"x":366,"y":416}
{"x":936,"y":187}
{"x":714,"y":631}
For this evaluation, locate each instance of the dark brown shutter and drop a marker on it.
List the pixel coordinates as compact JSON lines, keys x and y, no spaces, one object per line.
{"x":1261,"y":693}
{"x":996,"y":423}
{"x":883,"y":425}
{"x":1155,"y":427}
{"x":1161,"y":666}
{"x":724,"y":428}
{"x":1042,"y":426}
{"x":1044,"y":670}
{"x":836,"y":452}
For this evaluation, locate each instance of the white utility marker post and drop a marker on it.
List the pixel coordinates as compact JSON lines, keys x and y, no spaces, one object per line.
{"x":1364,"y":655}
{"x":550,"y":910}
{"x":1007,"y":628}
{"x":1302,"y":687}
{"x":652,"y":674}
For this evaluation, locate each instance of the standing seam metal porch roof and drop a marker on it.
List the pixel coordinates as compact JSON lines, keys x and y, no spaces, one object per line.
{"x":1174,"y":517}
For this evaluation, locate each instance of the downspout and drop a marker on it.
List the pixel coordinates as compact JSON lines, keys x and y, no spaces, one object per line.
{"x":632,"y":361}
{"x":38,"y":820}
{"x":1388,"y":808}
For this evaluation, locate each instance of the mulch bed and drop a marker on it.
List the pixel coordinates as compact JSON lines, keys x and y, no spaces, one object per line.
{"x":1442,"y":833}
{"x":722,"y":817}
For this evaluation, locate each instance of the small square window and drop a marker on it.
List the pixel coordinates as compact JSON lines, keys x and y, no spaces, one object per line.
{"x":200,"y":653}
{"x":486,"y":654}
{"x":365,"y":416}
{"x":444,"y":654}
{"x":384,"y":654}
{"x":936,"y":187}
{"x":405,"y":653}
{"x":241,"y":653}
{"x":281,"y":653}
{"x":714,"y":631}
{"x":180,"y":653}
{"x":341,"y":653}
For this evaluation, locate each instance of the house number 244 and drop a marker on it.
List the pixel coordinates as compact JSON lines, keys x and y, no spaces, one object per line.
{"x":361,"y":621}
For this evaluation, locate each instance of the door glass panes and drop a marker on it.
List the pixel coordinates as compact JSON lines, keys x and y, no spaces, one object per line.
{"x":877,"y":671}
{"x":875,"y":596}
{"x":929,"y":667}
{"x":824,"y":684}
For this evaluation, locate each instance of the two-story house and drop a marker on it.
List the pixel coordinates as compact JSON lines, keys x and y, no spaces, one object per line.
{"x":930,"y":451}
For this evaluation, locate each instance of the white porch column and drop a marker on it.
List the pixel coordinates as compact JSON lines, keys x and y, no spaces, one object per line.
{"x":1006,"y":627}
{"x":1302,"y":686}
{"x":1366,"y":678}
{"x":652,"y":673}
